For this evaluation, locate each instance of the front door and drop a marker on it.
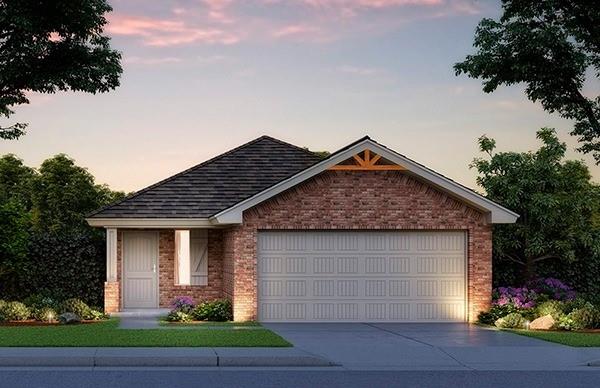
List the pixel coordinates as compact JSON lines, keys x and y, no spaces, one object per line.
{"x":140,"y":267}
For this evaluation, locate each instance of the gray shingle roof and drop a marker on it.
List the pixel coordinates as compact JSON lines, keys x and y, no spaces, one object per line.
{"x":216,"y":184}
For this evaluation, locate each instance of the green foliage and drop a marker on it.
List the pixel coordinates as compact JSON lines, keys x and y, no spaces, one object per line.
{"x":97,"y":315}
{"x":555,"y":308}
{"x":64,"y":193}
{"x":38,"y":301}
{"x":219,"y":310}
{"x":586,"y":317}
{"x":14,"y":237}
{"x":511,"y":321}
{"x":44,"y":239}
{"x":496,"y":312}
{"x":557,"y":205}
{"x":550,"y":46}
{"x":15,"y":311}
{"x":50,"y":46}
{"x":15,"y":181}
{"x":44,"y":314}
{"x":76,"y":306}
{"x":178,"y":316}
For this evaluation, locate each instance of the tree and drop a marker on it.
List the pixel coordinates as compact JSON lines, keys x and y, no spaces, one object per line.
{"x":15,"y":180}
{"x":47,"y":46}
{"x":555,"y":199}
{"x":14,"y":224}
{"x":549,"y":45}
{"x":64,"y":193}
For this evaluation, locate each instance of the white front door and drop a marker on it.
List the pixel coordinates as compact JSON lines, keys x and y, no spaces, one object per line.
{"x":140,"y":269}
{"x":358,"y":276}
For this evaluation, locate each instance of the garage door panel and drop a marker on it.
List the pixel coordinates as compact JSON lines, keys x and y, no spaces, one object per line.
{"x":361,"y":276}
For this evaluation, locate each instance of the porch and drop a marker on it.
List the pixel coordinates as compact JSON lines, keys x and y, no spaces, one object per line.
{"x":147,"y":268}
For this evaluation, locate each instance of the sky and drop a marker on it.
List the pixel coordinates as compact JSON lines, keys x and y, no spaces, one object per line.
{"x":203,"y":76}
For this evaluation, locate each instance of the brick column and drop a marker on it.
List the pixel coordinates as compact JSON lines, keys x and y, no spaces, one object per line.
{"x":111,"y":297}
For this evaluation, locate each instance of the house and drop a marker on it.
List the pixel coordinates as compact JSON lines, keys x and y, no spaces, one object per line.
{"x":365,"y":234}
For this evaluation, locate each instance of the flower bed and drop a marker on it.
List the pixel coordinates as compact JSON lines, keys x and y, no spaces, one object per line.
{"x":543,"y":303}
{"x":39,"y":310}
{"x":185,"y":309}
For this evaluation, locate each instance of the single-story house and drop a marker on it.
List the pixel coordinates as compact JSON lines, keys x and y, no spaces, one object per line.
{"x":364,"y":234}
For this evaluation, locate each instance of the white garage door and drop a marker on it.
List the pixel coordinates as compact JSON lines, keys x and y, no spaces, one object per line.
{"x":348,"y":276}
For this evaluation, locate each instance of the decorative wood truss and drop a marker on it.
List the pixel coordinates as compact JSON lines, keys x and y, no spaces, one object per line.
{"x":367,"y":161}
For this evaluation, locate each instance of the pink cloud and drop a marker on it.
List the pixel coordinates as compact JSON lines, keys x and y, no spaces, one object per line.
{"x":294,"y":29}
{"x":165,"y":32}
{"x":228,"y":22}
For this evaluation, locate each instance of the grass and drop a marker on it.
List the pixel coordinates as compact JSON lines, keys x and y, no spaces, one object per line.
{"x":107,"y":334}
{"x":570,"y":338}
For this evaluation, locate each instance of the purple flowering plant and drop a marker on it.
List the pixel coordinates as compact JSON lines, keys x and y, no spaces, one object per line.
{"x":183,"y":303}
{"x":553,"y":289}
{"x":519,"y":297}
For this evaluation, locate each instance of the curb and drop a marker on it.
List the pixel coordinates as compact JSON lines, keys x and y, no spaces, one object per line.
{"x":159,"y":357}
{"x":593,"y":363}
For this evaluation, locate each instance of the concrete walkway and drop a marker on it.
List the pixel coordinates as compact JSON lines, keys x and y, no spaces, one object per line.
{"x":140,"y":318}
{"x":431,"y":347}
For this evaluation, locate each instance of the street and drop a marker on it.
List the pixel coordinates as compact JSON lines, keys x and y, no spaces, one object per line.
{"x":182,"y":377}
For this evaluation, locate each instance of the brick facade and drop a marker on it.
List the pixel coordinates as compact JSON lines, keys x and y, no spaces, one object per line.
{"x":360,"y":200}
{"x":365,"y":200}
{"x":168,"y":290}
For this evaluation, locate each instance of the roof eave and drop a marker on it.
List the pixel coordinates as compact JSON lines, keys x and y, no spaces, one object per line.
{"x":152,"y":223}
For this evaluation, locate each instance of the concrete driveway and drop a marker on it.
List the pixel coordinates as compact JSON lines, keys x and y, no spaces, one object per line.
{"x":430,"y":346}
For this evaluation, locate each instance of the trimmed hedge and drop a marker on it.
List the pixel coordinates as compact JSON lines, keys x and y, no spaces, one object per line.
{"x":62,"y":266}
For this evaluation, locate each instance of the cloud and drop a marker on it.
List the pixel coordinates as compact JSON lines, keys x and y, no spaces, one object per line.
{"x":150,"y":61}
{"x":165,"y":32}
{"x":226,"y":22}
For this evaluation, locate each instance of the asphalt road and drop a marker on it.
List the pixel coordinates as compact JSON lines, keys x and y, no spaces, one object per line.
{"x":174,"y":378}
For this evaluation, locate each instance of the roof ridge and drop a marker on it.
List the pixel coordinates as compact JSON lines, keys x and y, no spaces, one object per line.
{"x":289,"y":144}
{"x":202,"y":164}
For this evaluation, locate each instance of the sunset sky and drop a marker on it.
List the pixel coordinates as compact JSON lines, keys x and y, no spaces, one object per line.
{"x":203,"y":76}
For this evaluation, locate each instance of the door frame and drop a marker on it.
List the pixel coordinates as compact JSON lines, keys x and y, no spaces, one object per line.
{"x":156,"y":273}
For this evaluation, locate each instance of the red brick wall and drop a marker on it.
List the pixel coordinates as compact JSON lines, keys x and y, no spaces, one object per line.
{"x":168,"y":290}
{"x":359,"y":200}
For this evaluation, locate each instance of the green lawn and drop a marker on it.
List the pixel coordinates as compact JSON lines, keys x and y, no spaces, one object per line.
{"x":564,"y":337}
{"x":107,"y":334}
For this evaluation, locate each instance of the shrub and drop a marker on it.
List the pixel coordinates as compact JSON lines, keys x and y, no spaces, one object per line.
{"x":15,"y":311}
{"x":178,"y":316}
{"x":38,"y":301}
{"x":219,"y":310}
{"x":496,"y":312}
{"x":586,"y":317}
{"x":97,"y":315}
{"x":76,"y":306}
{"x":555,"y":308}
{"x":511,"y":321}
{"x":520,"y":297}
{"x":184,"y":304}
{"x":552,"y":288}
{"x":45,"y":314}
